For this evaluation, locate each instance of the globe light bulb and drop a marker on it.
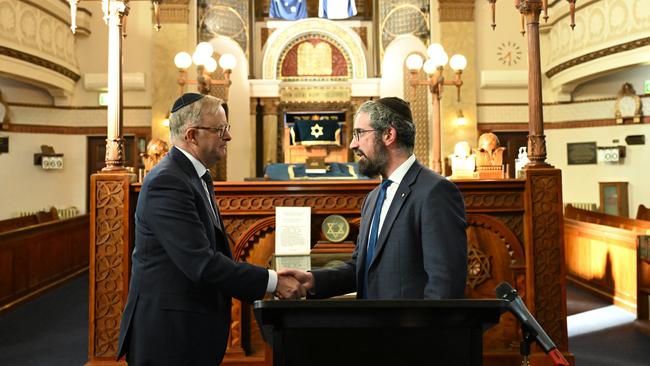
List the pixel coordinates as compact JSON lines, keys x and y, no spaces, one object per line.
{"x":183,"y":60}
{"x":227,"y":61}
{"x":414,"y":62}
{"x":434,"y":50}
{"x":204,"y":48}
{"x":210,"y":64}
{"x":429,"y":66}
{"x":458,"y":62}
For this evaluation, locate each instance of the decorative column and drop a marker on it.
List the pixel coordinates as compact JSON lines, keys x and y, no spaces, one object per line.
{"x":110,"y":211}
{"x":272,"y":133}
{"x":543,"y":226}
{"x":110,"y":255}
{"x":531,"y":10}
{"x":114,"y":13}
{"x":257,"y":137}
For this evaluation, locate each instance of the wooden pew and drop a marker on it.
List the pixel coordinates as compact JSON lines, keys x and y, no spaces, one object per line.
{"x":39,"y":257}
{"x":601,"y":253}
{"x":24,"y":221}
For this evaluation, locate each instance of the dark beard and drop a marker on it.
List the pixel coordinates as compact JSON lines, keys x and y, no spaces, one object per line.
{"x":374,"y":167}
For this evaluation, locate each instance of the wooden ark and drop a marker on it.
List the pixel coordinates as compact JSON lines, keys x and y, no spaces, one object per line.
{"x":514,"y":234}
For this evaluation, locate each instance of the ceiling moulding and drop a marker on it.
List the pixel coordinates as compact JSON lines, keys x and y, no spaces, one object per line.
{"x":581,"y":71}
{"x":99,"y":81}
{"x":494,"y":79}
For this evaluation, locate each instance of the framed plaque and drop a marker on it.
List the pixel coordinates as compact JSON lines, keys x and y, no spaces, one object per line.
{"x":582,"y":153}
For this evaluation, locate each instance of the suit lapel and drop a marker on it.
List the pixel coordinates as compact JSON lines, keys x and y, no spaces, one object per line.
{"x":186,"y":165}
{"x":400,"y":197}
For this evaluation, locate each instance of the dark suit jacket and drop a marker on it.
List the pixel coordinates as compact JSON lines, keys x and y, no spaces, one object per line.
{"x":421,"y":251}
{"x":183,"y":275}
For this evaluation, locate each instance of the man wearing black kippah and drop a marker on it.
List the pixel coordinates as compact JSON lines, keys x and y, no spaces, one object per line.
{"x":412,"y":242}
{"x":183,"y":275}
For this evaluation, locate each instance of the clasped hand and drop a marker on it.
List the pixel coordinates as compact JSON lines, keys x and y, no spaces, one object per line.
{"x":293,"y":283}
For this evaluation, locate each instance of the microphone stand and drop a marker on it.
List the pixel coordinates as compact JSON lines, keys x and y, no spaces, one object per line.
{"x":524,"y":346}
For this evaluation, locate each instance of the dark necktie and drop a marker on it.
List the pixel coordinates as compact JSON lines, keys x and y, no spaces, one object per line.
{"x":374,"y":233}
{"x":207,"y":178}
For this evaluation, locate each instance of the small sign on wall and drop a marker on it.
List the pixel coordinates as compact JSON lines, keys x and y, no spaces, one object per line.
{"x":582,"y":153}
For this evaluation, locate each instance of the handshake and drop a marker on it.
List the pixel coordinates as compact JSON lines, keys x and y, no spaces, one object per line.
{"x":293,"y":283}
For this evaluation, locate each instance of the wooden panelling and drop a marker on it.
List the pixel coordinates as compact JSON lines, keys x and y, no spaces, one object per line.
{"x":36,"y":258}
{"x":602,"y":259}
{"x":510,"y":223}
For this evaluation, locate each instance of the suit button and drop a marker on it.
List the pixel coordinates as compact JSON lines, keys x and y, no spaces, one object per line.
{"x":211,"y":251}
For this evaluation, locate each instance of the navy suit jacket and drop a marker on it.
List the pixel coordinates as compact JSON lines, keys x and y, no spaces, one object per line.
{"x":182,"y":275}
{"x":421,"y":251}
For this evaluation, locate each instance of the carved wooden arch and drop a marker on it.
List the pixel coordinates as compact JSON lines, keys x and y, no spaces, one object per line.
{"x":247,"y":240}
{"x":495,"y":254}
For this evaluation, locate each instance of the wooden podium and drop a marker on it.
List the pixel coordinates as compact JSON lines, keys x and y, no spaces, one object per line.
{"x":377,"y":332}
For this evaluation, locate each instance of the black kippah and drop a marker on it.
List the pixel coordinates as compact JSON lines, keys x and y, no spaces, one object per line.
{"x":398,"y":106}
{"x":186,"y":99}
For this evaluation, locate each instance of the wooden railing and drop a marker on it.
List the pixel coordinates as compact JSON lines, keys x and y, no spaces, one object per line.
{"x":640,"y":226}
{"x":36,"y":258}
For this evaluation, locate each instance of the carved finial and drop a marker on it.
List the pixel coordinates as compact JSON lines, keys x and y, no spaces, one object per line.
{"x":156,"y":12}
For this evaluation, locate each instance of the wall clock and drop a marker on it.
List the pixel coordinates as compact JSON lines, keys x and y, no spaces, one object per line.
{"x":627,"y":105}
{"x":509,"y":53}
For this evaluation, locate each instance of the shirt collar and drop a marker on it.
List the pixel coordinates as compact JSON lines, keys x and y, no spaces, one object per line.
{"x":401,"y":170}
{"x":198,"y":166}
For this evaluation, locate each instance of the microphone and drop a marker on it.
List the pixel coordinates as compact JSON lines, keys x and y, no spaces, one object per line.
{"x":517,"y":307}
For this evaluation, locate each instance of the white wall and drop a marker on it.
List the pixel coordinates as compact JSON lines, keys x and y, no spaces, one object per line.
{"x":92,"y":52}
{"x":27,"y":187}
{"x":580,"y":182}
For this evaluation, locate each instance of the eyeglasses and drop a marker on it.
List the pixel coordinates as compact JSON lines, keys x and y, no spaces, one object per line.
{"x":218,"y":130}
{"x":357,"y":132}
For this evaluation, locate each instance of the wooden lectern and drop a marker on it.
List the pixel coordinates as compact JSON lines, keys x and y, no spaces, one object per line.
{"x":377,"y":332}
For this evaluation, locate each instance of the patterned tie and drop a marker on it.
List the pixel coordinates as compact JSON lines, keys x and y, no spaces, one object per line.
{"x":207,"y":178}
{"x":374,"y":232}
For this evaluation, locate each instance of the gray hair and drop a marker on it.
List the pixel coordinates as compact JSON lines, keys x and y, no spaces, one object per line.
{"x":383,"y":118}
{"x":191,"y":115}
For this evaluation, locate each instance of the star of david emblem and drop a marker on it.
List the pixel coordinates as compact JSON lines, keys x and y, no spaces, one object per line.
{"x":316,"y":131}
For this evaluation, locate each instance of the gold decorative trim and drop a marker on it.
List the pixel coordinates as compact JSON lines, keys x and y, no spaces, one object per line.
{"x":71,"y":130}
{"x":311,"y":94}
{"x":456,"y":11}
{"x":174,"y":13}
{"x":89,"y":107}
{"x":39,"y":61}
{"x":485,"y":127}
{"x":623,"y":47}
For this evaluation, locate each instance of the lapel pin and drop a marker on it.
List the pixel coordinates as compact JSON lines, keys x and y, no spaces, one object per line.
{"x":402,"y":195}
